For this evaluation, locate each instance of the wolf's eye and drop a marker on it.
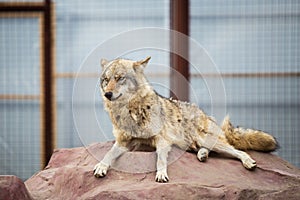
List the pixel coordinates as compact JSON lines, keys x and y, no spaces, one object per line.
{"x":120,"y":78}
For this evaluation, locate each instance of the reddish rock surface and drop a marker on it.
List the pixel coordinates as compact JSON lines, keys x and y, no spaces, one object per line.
{"x":12,"y":188}
{"x":69,"y":176}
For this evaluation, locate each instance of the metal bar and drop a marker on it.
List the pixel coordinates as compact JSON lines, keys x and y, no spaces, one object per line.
{"x":22,"y":6}
{"x":194,"y":75}
{"x":217,"y":16}
{"x":97,"y":75}
{"x":179,"y":19}
{"x":77,"y":75}
{"x":248,"y":75}
{"x":19,"y":97}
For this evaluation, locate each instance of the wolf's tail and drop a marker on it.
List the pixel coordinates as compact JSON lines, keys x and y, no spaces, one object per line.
{"x":248,"y":139}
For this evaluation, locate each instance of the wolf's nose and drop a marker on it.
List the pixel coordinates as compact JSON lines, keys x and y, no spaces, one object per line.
{"x":108,"y":95}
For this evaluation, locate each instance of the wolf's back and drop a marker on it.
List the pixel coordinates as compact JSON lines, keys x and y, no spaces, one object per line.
{"x":248,"y":139}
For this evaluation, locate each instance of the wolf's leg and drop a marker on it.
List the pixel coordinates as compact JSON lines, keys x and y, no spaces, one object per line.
{"x":223,"y":147}
{"x":218,"y":143}
{"x":207,"y":142}
{"x":162,"y":150}
{"x":101,"y":168}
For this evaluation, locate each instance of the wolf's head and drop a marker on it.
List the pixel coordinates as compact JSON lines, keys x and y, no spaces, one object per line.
{"x":121,"y":78}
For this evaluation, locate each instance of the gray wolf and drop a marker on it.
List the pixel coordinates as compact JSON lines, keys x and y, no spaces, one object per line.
{"x":140,"y":116}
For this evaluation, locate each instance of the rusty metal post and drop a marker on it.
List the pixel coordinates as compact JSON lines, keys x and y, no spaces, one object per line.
{"x":48,"y":85}
{"x":179,"y":19}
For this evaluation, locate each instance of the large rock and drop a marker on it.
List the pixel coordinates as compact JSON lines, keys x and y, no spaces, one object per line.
{"x":69,"y":176}
{"x":12,"y":188}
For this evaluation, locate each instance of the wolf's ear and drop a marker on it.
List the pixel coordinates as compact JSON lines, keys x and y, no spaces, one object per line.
{"x":103,"y":62}
{"x":142,"y":62}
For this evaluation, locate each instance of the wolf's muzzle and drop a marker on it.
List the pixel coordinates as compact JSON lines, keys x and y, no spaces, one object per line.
{"x":109,"y":96}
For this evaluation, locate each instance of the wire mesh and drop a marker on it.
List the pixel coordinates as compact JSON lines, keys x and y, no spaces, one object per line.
{"x":255,"y":45}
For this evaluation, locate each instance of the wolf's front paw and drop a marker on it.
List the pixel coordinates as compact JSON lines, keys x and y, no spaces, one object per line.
{"x":100,"y":170}
{"x":202,"y":154}
{"x":161,"y":176}
{"x":249,"y":163}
